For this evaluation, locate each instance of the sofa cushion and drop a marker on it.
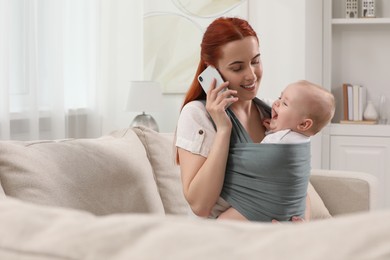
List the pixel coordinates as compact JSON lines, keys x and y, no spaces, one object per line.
{"x":103,"y":175}
{"x":317,"y":207}
{"x":352,"y":191}
{"x":36,"y":232}
{"x":160,"y":151}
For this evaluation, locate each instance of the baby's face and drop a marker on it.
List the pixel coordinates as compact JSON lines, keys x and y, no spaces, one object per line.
{"x":287,"y":112}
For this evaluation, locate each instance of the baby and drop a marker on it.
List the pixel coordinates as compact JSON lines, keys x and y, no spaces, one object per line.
{"x":301,"y":111}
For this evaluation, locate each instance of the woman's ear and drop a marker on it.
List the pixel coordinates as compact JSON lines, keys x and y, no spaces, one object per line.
{"x":305,"y":125}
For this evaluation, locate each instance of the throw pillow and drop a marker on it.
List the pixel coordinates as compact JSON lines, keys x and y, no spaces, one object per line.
{"x":318,"y":208}
{"x":161,"y":153}
{"x":103,"y":176}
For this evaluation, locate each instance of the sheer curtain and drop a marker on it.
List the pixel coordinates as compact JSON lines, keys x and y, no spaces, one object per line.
{"x":54,"y":78}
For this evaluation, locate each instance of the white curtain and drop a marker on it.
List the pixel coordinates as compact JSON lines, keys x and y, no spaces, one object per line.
{"x":61,"y":73}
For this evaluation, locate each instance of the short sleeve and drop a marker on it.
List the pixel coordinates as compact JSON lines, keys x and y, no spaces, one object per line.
{"x":195,"y":131}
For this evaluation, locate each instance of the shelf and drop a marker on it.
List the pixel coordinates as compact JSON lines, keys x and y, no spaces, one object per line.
{"x":361,"y":130}
{"x":356,"y":50}
{"x":359,"y":122}
{"x":336,"y":21}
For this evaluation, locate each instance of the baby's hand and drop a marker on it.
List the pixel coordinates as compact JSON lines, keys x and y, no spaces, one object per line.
{"x":266,"y":123}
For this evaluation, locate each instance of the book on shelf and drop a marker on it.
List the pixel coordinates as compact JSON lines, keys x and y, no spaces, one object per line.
{"x":354,"y":102}
{"x":348,"y":101}
{"x":345,"y":102}
{"x":362,"y":101}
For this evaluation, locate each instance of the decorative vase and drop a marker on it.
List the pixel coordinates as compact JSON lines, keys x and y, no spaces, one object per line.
{"x":382,"y":110}
{"x":370,"y":112}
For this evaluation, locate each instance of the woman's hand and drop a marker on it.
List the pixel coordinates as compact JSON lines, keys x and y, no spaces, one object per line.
{"x":307,"y":213}
{"x":297,"y":219}
{"x":218,"y":99}
{"x":267,"y":123}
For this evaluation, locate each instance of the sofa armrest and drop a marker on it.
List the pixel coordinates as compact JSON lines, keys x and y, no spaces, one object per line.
{"x":345,"y":192}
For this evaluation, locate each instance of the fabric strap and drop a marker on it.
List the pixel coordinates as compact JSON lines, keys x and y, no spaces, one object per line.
{"x":265,"y":181}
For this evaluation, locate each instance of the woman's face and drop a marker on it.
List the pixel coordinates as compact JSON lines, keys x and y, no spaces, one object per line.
{"x":241,"y":66}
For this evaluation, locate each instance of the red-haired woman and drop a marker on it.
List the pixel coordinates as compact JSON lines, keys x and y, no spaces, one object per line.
{"x":204,"y":129}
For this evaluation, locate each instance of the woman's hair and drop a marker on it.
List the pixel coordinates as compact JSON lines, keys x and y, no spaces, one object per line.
{"x":220,"y":32}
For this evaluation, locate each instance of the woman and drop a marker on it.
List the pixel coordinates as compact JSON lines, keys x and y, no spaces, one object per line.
{"x":204,"y":130}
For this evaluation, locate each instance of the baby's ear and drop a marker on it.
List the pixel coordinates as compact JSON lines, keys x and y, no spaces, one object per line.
{"x":305,"y":125}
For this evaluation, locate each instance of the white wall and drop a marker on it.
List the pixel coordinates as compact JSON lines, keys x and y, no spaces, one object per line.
{"x":167,"y":118}
{"x":281,"y":29}
{"x":314,"y":63}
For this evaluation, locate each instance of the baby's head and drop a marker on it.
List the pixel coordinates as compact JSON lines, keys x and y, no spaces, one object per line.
{"x":303,"y":107}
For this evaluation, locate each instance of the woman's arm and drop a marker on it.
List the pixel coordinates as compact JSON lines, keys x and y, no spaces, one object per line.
{"x":202,"y":177}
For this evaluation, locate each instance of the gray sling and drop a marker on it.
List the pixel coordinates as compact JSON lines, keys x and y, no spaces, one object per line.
{"x":265,"y":181}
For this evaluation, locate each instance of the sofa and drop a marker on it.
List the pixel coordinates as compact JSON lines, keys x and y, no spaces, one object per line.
{"x":119,"y":196}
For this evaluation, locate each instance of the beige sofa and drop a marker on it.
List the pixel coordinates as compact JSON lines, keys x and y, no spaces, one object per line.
{"x":119,"y":197}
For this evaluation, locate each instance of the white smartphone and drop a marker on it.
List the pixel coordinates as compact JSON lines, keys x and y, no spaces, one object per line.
{"x":206,"y":78}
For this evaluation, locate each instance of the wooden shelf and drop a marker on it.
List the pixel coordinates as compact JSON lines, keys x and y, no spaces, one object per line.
{"x":359,"y":122}
{"x":336,"y":21}
{"x":373,"y":130}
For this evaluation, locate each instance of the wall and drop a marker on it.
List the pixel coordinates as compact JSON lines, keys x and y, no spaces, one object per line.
{"x":281,"y":29}
{"x":314,"y":63}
